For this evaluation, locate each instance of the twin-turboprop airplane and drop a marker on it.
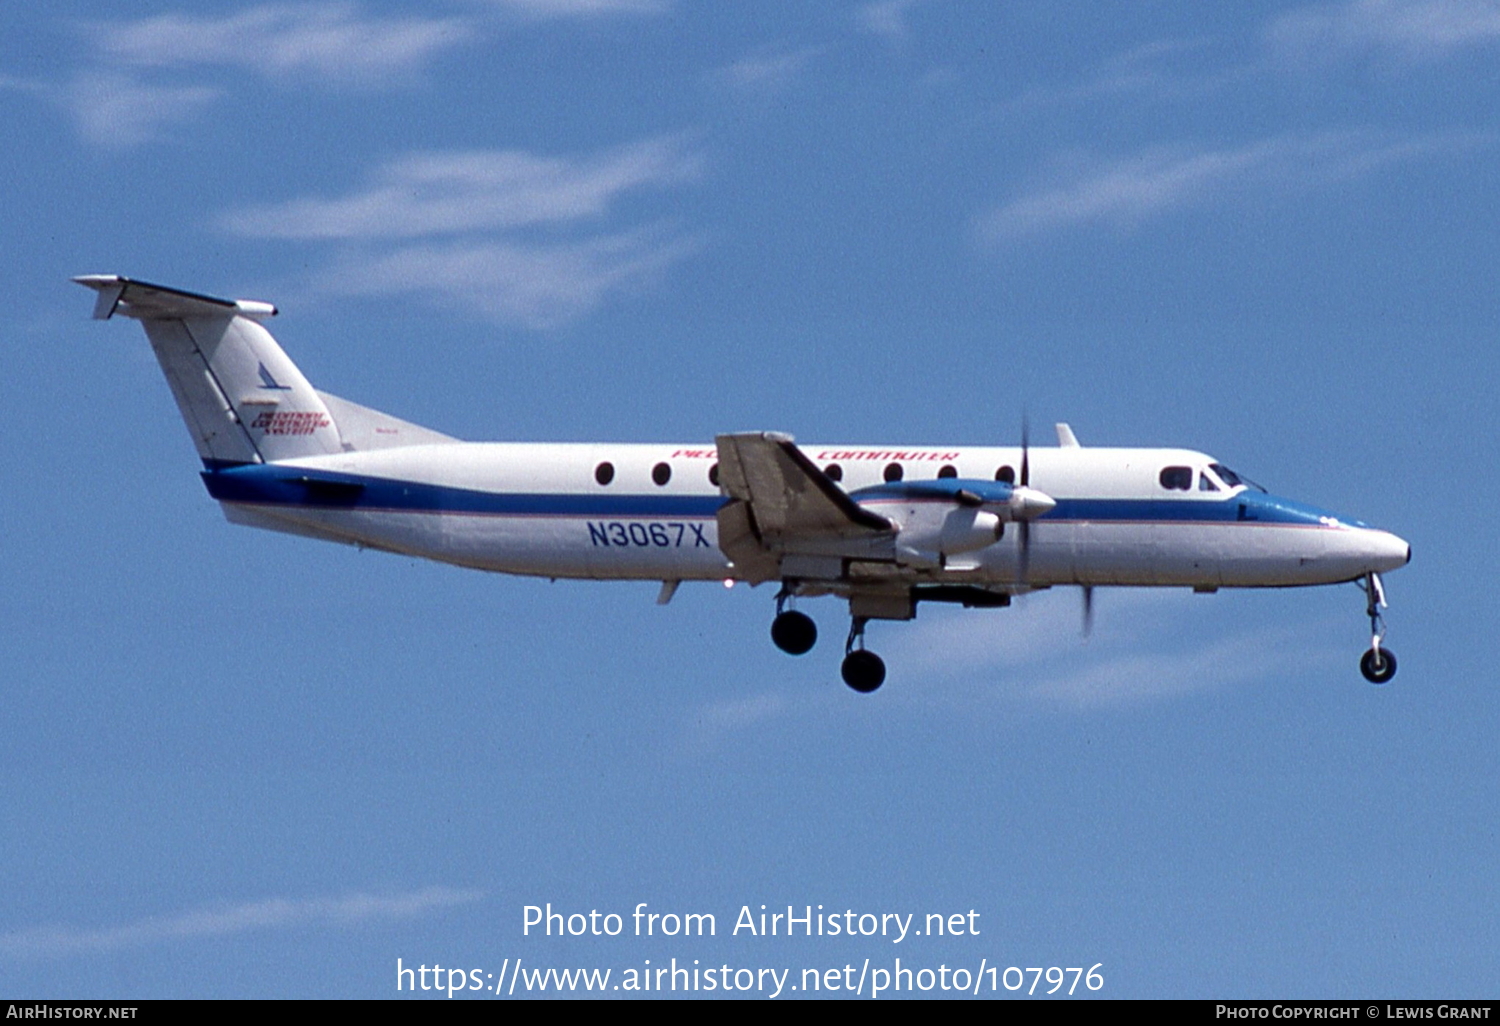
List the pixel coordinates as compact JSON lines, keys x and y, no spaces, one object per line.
{"x":884,"y":528}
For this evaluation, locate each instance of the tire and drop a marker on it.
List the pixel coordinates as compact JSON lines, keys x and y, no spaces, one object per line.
{"x":794,"y":632}
{"x":1378,"y":666}
{"x":863,"y":671}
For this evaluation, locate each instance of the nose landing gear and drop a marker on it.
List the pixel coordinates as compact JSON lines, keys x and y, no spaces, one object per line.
{"x":864,"y":671}
{"x":1378,"y":664}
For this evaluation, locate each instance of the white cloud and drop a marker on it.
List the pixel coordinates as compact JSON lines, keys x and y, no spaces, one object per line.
{"x":887,"y":18}
{"x":1409,"y":29}
{"x":1147,"y":645}
{"x":335,"y":41}
{"x":121,"y":98}
{"x":517,"y":236}
{"x":768,"y":71}
{"x":46,"y":941}
{"x":732,"y":715}
{"x":1309,"y":38}
{"x":537,"y":285}
{"x":1125,"y":191}
{"x":437,"y":193}
{"x":1161,"y":70}
{"x":582,"y":8}
{"x":114,"y":109}
{"x":1126,"y":678}
{"x":125,"y":98}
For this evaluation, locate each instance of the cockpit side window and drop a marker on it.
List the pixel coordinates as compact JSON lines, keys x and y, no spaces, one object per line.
{"x":1206,"y":482}
{"x":1226,"y":475}
{"x":1232,"y":479}
{"x":1177,"y":478}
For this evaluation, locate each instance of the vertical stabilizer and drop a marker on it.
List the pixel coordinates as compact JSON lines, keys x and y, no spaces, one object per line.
{"x":243,"y":399}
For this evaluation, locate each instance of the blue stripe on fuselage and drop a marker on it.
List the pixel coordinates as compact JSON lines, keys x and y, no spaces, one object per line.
{"x":280,"y":485}
{"x":1246,"y":507}
{"x":274,"y":485}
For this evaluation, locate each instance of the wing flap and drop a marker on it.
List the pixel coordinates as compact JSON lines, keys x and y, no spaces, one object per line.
{"x":784,"y":506}
{"x":788,"y":493}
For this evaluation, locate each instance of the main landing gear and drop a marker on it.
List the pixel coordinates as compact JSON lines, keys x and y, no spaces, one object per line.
{"x":796,"y":634}
{"x":793,"y":632}
{"x":1378,"y":664}
{"x":863,"y":670}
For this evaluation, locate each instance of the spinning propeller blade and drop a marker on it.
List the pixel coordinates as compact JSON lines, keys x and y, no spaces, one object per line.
{"x":1025,"y":525}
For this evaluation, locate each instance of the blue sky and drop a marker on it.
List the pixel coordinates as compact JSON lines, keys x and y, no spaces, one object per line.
{"x":243,"y":764}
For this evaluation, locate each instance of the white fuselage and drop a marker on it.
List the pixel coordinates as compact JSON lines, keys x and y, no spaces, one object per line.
{"x":541,"y":509}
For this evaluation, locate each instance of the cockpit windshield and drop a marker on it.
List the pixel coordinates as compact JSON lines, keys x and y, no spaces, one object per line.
{"x":1232,"y":479}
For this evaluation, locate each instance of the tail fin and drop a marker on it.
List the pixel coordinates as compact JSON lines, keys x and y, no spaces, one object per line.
{"x":243,"y":399}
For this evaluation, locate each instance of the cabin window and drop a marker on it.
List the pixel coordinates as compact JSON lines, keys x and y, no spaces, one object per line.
{"x":834,"y":472}
{"x":893,"y":472}
{"x":947,"y":471}
{"x":1006,"y":474}
{"x":661,"y":473}
{"x":1177,"y":478}
{"x":713,"y":475}
{"x":604,"y":473}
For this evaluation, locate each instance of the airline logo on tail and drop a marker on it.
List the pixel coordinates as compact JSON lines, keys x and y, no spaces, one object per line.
{"x":288,"y":422}
{"x":266,"y":381}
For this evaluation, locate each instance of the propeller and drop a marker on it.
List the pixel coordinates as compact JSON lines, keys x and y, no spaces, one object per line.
{"x":1025,"y":525}
{"x":1088,"y":609}
{"x":1025,"y":450}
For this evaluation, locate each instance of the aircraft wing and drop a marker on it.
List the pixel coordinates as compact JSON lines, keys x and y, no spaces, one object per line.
{"x":784,"y":510}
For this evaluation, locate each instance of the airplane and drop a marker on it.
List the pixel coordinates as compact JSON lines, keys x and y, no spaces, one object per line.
{"x":885,"y":528}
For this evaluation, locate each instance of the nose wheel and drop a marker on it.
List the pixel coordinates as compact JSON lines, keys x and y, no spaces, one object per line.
{"x":864,"y":671}
{"x":1378,"y":664}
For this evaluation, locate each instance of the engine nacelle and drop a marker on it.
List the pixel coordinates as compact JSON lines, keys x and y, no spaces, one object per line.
{"x":948,"y":517}
{"x":932,"y":530}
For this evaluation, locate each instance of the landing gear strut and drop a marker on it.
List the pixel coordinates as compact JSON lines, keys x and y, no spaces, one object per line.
{"x":793,"y":632}
{"x":1378,"y":664}
{"x":863,"y":671}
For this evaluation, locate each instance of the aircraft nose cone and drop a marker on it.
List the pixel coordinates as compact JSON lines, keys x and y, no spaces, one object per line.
{"x":1386,"y":551}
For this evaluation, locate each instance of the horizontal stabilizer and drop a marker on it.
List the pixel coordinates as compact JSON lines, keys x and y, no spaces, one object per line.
{"x":145,"y":301}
